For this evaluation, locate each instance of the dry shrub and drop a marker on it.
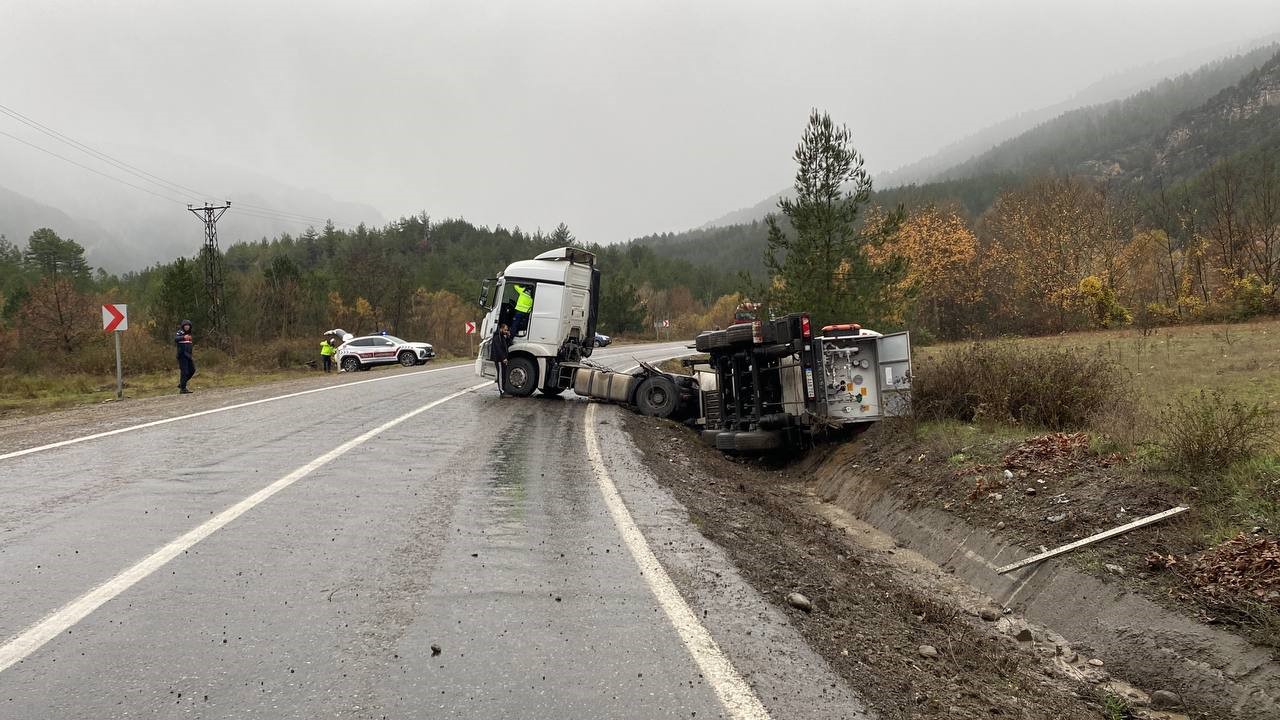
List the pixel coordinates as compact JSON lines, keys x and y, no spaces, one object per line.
{"x":1003,"y":382}
{"x":281,"y":353}
{"x":1208,"y":432}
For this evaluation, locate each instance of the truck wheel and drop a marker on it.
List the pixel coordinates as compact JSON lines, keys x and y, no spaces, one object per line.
{"x":657,"y":396}
{"x":757,"y":441}
{"x":351,"y":363}
{"x":522,"y":377}
{"x":724,"y":441}
{"x":716,"y":339}
{"x":702,"y":342}
{"x":408,"y":359}
{"x":739,"y":334}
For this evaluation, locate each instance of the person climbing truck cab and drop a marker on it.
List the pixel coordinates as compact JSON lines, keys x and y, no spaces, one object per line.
{"x":524,"y":306}
{"x":186,"y":364}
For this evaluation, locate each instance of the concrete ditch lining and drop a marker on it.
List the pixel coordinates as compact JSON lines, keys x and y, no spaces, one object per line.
{"x":1146,"y":643}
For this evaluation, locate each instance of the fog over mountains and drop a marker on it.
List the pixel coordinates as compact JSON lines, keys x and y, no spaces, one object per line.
{"x":124,"y":228}
{"x":949,"y":160}
{"x":619,"y":119}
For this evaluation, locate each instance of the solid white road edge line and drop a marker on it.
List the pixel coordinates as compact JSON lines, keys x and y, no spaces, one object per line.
{"x":165,"y":421}
{"x":734,"y":692}
{"x":73,"y":612}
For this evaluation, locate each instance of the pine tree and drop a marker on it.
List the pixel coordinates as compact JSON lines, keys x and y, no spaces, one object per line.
{"x":818,"y":265}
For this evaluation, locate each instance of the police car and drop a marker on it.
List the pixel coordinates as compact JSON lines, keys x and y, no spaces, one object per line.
{"x":361,"y":353}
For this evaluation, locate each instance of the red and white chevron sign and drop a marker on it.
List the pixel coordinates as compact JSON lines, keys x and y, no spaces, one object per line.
{"x":471,"y":327}
{"x":115,"y":318}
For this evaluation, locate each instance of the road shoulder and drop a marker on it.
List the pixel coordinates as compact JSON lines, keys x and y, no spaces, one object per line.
{"x":791,"y":680}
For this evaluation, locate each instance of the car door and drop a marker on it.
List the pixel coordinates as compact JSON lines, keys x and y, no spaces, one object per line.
{"x":363,"y":349}
{"x":382,"y":350}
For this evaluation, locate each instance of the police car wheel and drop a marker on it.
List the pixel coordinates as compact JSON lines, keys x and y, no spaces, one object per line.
{"x":350,"y":364}
{"x":408,"y":359}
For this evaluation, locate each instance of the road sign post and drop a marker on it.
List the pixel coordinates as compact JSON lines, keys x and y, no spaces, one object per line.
{"x":119,"y":368}
{"x":115,"y":320}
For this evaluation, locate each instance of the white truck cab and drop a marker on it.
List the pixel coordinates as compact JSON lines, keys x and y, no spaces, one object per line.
{"x":560,"y":328}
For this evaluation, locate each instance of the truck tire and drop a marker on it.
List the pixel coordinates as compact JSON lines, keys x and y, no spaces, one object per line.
{"x":724,"y":441}
{"x":702,"y":342}
{"x":740,"y":334}
{"x":716,"y":339}
{"x":756,"y":441}
{"x":522,"y":377}
{"x":657,"y":396}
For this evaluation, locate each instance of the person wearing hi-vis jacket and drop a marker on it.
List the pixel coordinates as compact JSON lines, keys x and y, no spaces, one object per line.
{"x":524,"y":306}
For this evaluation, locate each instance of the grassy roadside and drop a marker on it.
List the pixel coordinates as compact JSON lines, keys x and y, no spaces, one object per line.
{"x":24,"y":394}
{"x":1242,"y":361}
{"x":1144,"y":421}
{"x":35,"y":394}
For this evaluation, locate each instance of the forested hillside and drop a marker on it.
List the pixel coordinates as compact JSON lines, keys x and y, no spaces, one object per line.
{"x":416,"y":277}
{"x":1155,"y":149}
{"x":1131,"y":138}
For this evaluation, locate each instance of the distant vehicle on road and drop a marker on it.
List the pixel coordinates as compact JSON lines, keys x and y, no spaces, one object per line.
{"x":602,"y":340}
{"x":362,"y":353}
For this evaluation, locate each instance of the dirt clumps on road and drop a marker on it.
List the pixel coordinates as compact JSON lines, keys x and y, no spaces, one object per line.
{"x":909,"y":653}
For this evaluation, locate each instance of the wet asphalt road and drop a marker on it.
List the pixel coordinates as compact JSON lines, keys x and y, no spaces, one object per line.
{"x":474,"y":526}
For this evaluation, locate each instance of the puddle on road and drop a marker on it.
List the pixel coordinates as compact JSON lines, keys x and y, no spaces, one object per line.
{"x":508,"y":468}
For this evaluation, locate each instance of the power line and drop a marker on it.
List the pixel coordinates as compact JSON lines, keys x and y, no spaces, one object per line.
{"x":156,"y":180}
{"x":138,"y":172}
{"x":92,"y":170}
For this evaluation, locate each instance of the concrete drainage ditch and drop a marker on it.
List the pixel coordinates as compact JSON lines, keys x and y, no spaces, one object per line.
{"x":1062,"y":611}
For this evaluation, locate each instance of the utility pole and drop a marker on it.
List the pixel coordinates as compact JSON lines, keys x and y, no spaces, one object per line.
{"x":209,"y":215}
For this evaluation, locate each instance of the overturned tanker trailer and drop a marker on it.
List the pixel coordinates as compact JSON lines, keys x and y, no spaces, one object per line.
{"x":770,"y":385}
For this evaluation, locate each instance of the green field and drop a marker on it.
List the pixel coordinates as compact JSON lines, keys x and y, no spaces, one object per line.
{"x":1242,"y":361}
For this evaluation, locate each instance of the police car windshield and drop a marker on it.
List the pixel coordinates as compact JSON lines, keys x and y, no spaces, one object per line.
{"x":394,"y":339}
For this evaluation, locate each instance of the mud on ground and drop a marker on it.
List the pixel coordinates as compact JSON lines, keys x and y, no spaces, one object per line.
{"x":1051,"y":489}
{"x":870,"y":617}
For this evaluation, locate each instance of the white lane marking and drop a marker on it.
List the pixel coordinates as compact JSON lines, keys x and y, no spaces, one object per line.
{"x":734,"y":692}
{"x":165,"y":421}
{"x":73,"y":612}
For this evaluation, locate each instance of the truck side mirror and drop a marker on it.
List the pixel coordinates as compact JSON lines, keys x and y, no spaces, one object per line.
{"x":483,"y":301}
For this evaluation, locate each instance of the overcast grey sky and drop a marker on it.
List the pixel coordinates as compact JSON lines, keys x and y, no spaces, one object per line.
{"x":619,"y":118}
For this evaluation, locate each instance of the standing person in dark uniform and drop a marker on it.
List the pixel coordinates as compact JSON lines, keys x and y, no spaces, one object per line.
{"x":186,"y":364}
{"x":498,"y":348}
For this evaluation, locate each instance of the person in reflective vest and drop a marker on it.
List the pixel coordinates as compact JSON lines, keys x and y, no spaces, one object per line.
{"x":326,"y":354}
{"x":524,"y":305}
